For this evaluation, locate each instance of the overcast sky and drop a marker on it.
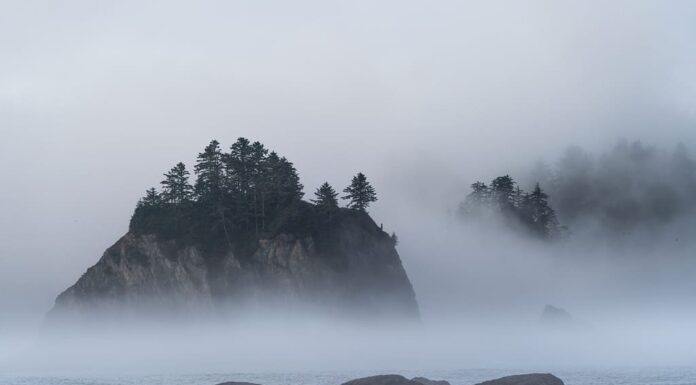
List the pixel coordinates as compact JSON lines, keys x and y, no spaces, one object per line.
{"x":98,"y":99}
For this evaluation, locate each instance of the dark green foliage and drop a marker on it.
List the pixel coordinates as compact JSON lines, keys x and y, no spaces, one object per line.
{"x":627,"y":189}
{"x":238,"y":198}
{"x":477,"y":199}
{"x":537,"y":214}
{"x":360,"y":193}
{"x":503,"y":192}
{"x":209,"y":169}
{"x":325,"y":198}
{"x":506,"y":198}
{"x":175,"y":187}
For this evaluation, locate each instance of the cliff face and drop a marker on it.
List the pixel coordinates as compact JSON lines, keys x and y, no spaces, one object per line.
{"x":350,"y":269}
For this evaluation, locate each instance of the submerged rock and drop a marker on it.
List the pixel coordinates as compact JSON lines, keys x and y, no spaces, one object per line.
{"x":384,"y":379}
{"x":556,"y":315}
{"x":526,"y":379}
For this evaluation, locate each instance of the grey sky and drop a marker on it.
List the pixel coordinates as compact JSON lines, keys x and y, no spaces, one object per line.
{"x":98,"y":99}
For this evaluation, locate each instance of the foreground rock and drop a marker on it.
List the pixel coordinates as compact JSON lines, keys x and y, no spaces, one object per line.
{"x":526,"y":379}
{"x":395,"y":379}
{"x":384,"y":379}
{"x":425,"y":381}
{"x":237,"y":383}
{"x":348,"y":267}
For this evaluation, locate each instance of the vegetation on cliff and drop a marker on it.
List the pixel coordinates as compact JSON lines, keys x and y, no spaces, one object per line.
{"x":239,"y":197}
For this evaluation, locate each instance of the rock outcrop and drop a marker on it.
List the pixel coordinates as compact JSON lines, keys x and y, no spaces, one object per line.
{"x":526,"y":379}
{"x":237,"y":383}
{"x":427,"y":381}
{"x":352,"y":268}
{"x":384,"y":379}
{"x":396,"y":379}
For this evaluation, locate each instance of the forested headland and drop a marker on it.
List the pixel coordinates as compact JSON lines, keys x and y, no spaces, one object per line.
{"x":239,"y":196}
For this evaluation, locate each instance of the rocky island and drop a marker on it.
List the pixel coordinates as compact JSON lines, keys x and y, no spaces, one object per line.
{"x":242,"y":239}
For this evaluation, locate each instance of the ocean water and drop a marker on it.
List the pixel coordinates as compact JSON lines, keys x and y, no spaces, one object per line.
{"x":645,"y":376}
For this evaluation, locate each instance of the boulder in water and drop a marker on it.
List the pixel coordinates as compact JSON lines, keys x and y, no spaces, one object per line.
{"x":526,"y":379}
{"x":426,"y":381}
{"x":237,"y":383}
{"x":384,"y":379}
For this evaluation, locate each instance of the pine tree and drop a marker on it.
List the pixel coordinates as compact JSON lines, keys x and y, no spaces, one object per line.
{"x":151,"y":199}
{"x":325,"y":197}
{"x":210,"y":189}
{"x":210,"y":173}
{"x":503,"y":192}
{"x":289,"y":186}
{"x":176,"y":188}
{"x":257,"y":183}
{"x":477,"y":200}
{"x":239,"y":169}
{"x":360,"y":193}
{"x":239,"y":166}
{"x":537,"y":211}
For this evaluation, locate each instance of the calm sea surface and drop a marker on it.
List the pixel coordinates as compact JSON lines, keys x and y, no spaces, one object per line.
{"x":662,"y":376}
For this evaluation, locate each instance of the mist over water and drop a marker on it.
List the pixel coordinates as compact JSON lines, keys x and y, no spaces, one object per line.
{"x":96,"y":101}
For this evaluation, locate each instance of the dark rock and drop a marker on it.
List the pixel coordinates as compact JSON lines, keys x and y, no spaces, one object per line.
{"x":347,"y":268}
{"x":384,"y":379}
{"x":237,"y":383}
{"x":526,"y":379}
{"x":426,"y":381}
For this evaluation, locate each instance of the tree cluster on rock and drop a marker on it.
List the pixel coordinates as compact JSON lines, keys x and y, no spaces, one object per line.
{"x":504,"y":196}
{"x":239,"y":196}
{"x":629,"y":187}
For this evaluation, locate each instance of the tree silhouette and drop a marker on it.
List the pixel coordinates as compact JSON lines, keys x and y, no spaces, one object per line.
{"x":360,"y":193}
{"x":325,"y":197}
{"x":151,"y":198}
{"x":541,"y":217}
{"x":504,"y":197}
{"x":210,"y":173}
{"x":176,"y":188}
{"x":503,"y":192}
{"x":478,"y":199}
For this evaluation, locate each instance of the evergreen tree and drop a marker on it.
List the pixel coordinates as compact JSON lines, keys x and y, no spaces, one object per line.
{"x":503,"y":192}
{"x":360,"y":193}
{"x":288,"y":185}
{"x":478,"y":199}
{"x":176,"y":188}
{"x":539,"y":214}
{"x":210,"y":173}
{"x":151,"y":199}
{"x":239,"y":166}
{"x":210,"y":191}
{"x":257,"y":183}
{"x":146,"y":214}
{"x":239,"y":169}
{"x":325,"y":197}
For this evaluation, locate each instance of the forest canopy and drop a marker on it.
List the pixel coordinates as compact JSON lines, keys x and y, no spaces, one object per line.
{"x":629,"y":191}
{"x":529,"y":211}
{"x":239,"y":196}
{"x":628,"y":188}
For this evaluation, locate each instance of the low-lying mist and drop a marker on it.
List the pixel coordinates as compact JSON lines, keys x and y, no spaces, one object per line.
{"x":481,"y":288}
{"x":314,"y":344}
